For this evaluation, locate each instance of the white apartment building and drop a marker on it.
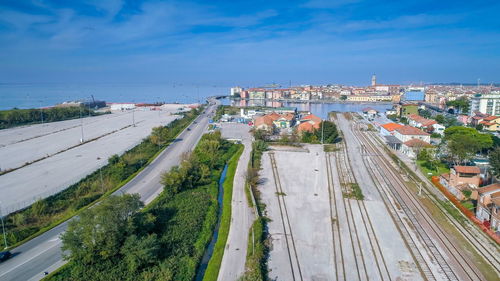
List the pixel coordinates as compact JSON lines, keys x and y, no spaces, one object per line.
{"x":236,"y":91}
{"x":486,"y":103}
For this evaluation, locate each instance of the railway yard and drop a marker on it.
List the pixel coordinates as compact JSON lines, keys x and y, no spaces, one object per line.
{"x":353,"y":214}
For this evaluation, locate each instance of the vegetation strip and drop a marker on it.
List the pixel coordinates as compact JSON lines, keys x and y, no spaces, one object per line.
{"x":163,"y":241}
{"x":18,"y":117}
{"x":213,"y":267}
{"x":45,"y":214}
{"x":258,"y":244}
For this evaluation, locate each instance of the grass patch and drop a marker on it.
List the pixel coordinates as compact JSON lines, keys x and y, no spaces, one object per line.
{"x":280,"y":193}
{"x":354,"y":192}
{"x":440,"y":169}
{"x":257,"y":252}
{"x":330,"y":148}
{"x":213,"y":267}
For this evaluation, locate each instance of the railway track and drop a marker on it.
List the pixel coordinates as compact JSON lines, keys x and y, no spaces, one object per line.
{"x":285,"y":220}
{"x":347,"y":177}
{"x":400,"y":192}
{"x":338,"y":255}
{"x":490,"y":253}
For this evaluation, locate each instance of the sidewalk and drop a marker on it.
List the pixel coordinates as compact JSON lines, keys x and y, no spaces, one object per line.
{"x":242,"y":217}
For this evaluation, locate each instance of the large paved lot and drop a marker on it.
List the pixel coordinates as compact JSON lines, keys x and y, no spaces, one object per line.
{"x":304,"y":232}
{"x":66,"y":162}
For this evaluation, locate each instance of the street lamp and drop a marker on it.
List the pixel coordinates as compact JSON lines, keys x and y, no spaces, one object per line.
{"x":3,"y":228}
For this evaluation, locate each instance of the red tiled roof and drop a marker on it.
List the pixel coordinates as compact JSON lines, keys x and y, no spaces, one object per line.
{"x":305,"y":126}
{"x":312,"y":117}
{"x":409,"y":130}
{"x":423,"y":121}
{"x":491,"y":118}
{"x":274,"y":116}
{"x":467,"y":169}
{"x":391,"y":126}
{"x":417,"y":143}
{"x":266,"y":119}
{"x":489,"y":188}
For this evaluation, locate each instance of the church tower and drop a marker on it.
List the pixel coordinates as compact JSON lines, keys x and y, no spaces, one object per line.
{"x":374,"y":80}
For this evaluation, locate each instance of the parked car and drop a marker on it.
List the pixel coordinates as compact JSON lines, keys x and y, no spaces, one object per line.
{"x":5,"y":255}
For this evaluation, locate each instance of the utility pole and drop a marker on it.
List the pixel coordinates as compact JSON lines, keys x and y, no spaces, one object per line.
{"x":3,"y":229}
{"x":322,"y":131}
{"x":253,"y":242}
{"x":41,"y":112}
{"x":102,"y":183}
{"x":81,"y":125}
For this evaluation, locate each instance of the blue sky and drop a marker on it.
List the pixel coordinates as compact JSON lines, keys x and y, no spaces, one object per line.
{"x":249,"y":42}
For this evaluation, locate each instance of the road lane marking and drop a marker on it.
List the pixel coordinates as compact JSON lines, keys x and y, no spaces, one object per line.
{"x":30,"y":259}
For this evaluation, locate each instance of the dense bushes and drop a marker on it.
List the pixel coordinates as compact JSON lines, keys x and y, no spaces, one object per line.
{"x":17,"y":117}
{"x":166,"y":240}
{"x":51,"y":210}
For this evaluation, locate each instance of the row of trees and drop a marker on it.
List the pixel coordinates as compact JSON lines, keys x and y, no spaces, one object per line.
{"x":17,"y":117}
{"x":327,"y":132}
{"x":116,"y":240}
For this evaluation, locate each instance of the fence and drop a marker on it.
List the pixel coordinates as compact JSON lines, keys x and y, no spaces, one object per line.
{"x":465,"y":211}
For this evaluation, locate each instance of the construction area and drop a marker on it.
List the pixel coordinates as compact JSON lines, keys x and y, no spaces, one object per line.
{"x":40,"y":160}
{"x":347,"y":214}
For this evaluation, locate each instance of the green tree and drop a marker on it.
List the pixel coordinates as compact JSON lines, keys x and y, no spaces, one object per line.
{"x":343,"y":97}
{"x":440,"y":119}
{"x":424,"y":113}
{"x":99,"y":232}
{"x":461,"y":104}
{"x":139,"y":252}
{"x":494,"y":157}
{"x":327,"y":131}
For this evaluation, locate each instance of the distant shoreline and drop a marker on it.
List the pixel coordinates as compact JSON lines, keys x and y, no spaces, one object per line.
{"x":311,"y":101}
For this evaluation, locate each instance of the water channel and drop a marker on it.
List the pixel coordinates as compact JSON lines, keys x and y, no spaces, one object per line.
{"x":210,"y":249}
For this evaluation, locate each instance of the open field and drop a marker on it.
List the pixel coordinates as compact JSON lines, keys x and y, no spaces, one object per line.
{"x":58,"y":159}
{"x":317,"y":233}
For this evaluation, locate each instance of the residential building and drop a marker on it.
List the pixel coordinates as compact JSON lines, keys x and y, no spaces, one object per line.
{"x":491,"y":123}
{"x":486,"y":103}
{"x":309,"y":123}
{"x":488,"y":205}
{"x":284,"y":121}
{"x":369,"y":112}
{"x":236,"y":91}
{"x":438,"y":129}
{"x":418,"y":121}
{"x":406,"y":133}
{"x":264,"y":123}
{"x":461,"y":178}
{"x":413,"y":147}
{"x":389,"y":128}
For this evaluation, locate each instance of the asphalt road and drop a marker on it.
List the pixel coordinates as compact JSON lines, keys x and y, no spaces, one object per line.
{"x":43,"y":253}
